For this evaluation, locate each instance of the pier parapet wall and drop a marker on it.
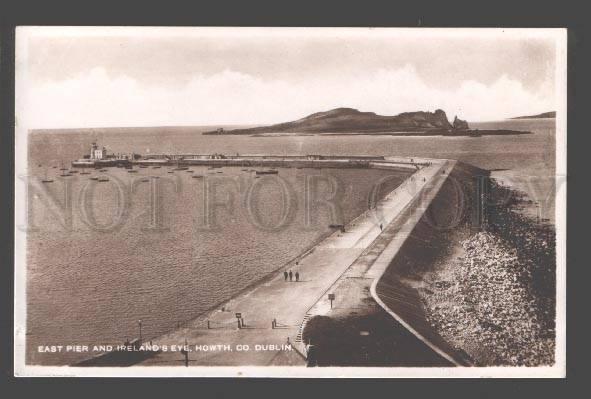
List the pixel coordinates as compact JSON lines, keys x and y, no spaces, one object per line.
{"x":389,"y":288}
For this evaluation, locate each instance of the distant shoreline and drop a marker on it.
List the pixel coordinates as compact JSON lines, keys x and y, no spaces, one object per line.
{"x":544,"y":115}
{"x":200,"y":130}
{"x":468,"y":133}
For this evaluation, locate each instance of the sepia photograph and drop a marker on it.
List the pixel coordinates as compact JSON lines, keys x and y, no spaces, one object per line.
{"x":290,"y":202}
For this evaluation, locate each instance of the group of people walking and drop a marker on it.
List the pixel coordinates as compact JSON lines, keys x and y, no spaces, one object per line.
{"x":291,"y":275}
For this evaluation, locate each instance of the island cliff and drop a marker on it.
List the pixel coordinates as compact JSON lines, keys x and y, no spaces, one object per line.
{"x":352,"y":121}
{"x":460,"y":124}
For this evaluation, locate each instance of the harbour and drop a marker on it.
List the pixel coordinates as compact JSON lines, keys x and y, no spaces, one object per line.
{"x":269,"y":311}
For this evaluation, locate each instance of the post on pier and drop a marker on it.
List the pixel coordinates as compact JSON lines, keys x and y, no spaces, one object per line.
{"x":331,"y":297}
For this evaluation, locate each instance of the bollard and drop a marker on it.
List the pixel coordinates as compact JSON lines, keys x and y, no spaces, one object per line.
{"x":208,"y":324}
{"x":239,"y":325}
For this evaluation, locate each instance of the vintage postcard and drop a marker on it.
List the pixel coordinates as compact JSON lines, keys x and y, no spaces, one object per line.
{"x":290,"y":202}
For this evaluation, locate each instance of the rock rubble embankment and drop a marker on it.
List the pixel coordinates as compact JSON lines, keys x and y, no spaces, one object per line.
{"x":497,"y":301}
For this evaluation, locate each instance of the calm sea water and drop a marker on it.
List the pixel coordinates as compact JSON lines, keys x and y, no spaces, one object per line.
{"x":91,"y":282}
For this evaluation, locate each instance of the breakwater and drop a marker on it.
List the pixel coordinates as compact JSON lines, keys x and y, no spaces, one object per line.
{"x":216,"y":160}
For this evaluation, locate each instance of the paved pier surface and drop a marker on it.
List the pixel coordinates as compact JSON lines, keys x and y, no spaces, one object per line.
{"x":288,"y":302}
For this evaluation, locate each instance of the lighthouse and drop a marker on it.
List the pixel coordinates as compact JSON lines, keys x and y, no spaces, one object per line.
{"x":96,"y":152}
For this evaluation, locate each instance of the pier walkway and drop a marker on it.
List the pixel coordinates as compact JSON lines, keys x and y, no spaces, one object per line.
{"x":288,"y":302}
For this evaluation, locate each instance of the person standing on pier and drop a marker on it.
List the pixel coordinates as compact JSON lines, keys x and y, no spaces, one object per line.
{"x":290,"y":276}
{"x":285,"y":275}
{"x":297,"y":274}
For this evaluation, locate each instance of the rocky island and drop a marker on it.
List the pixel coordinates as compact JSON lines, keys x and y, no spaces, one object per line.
{"x":352,"y":121}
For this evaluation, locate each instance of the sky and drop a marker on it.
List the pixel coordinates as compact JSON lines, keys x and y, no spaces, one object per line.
{"x":101,"y":77}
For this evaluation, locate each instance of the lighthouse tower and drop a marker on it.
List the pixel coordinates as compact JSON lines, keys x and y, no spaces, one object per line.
{"x":96,"y":152}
